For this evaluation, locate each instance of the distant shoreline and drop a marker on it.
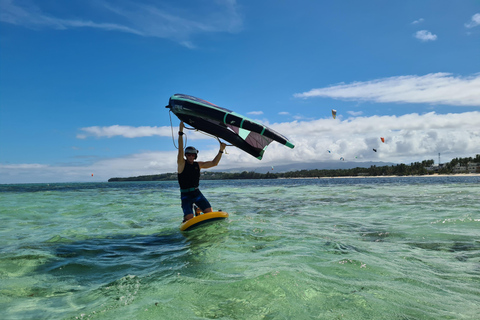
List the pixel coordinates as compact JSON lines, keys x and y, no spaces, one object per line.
{"x":464,"y":167}
{"x":171,"y":178}
{"x":390,"y":176}
{"x":459,"y":175}
{"x":413,"y":176}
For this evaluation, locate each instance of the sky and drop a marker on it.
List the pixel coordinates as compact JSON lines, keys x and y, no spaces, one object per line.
{"x":84,"y":83}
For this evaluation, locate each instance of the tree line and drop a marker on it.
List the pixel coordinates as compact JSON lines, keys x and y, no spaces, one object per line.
{"x":415,"y":168}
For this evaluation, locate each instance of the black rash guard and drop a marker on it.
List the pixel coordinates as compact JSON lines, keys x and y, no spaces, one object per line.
{"x":190,"y":176}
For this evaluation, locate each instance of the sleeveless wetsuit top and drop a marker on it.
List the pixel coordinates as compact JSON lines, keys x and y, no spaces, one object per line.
{"x":190,"y":176}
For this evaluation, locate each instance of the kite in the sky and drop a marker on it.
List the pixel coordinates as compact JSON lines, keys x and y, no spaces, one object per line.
{"x":334,"y":113}
{"x":383,"y":139}
{"x":375,"y":150}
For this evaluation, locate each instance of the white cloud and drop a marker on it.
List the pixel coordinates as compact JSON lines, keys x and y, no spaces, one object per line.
{"x":132,"y":165}
{"x":355,"y":113}
{"x":475,"y":21}
{"x":418,"y":21}
{"x":134,"y":132}
{"x":32,"y":16}
{"x":300,"y":117}
{"x":124,"y":131}
{"x":284,"y":113}
{"x":409,"y":138}
{"x":135,"y":17}
{"x":23,"y":166}
{"x":434,"y":88}
{"x":256,"y":113}
{"x":425,"y":35}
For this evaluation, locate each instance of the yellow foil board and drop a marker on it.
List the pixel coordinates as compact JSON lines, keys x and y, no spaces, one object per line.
{"x":203,"y":218}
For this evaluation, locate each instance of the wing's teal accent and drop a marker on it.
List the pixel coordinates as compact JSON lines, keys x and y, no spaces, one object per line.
{"x":261,"y":155}
{"x":290,"y":145}
{"x":245,"y":118}
{"x":262,"y":152}
{"x":262,"y":131}
{"x":243,"y":133}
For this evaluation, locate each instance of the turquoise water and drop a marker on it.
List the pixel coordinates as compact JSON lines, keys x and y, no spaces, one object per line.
{"x":372,"y":248}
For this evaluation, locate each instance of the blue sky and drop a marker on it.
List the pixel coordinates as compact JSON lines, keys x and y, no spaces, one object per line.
{"x":83,"y":84}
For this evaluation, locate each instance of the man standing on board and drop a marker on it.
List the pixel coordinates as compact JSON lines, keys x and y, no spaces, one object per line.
{"x":189,"y":176}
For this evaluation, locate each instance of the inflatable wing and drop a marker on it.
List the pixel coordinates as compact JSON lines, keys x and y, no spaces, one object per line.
{"x":246,"y":134}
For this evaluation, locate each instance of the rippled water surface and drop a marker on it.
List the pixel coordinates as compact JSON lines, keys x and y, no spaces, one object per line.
{"x":371,"y":248}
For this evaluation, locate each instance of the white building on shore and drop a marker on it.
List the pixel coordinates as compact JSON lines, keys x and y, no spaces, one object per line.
{"x":471,"y":167}
{"x":435,"y":167}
